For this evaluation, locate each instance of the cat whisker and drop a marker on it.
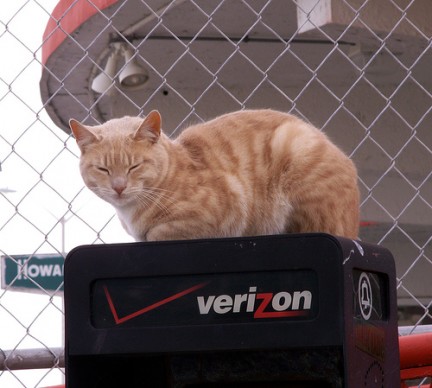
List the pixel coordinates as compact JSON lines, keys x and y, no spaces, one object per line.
{"x":144,"y":200}
{"x":162,"y":194}
{"x":100,"y":190}
{"x":159,"y":189}
{"x":168,"y":198}
{"x":147,"y":197}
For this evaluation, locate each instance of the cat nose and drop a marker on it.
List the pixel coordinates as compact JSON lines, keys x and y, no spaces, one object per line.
{"x":119,"y":189}
{"x":119,"y":185}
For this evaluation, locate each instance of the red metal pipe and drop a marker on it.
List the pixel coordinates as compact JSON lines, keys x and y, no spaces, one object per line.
{"x":415,"y":350}
{"x":67,"y":16}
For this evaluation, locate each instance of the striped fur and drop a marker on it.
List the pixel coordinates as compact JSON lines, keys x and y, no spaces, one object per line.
{"x":245,"y":173}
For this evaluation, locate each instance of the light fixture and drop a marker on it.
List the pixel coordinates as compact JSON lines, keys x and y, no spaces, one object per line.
{"x":133,"y":76}
{"x":105,"y":79}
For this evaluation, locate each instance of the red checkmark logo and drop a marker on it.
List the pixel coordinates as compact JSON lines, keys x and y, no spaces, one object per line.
{"x":153,"y":306}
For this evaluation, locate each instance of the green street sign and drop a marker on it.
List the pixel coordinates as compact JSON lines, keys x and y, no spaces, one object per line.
{"x":32,"y":273}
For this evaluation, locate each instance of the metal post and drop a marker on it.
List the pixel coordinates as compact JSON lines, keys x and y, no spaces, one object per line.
{"x":19,"y":359}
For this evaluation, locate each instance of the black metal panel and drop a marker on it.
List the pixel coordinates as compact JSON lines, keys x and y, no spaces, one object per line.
{"x":231,"y":312}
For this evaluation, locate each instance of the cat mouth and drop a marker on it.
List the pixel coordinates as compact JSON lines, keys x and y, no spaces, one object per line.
{"x":114,"y":198}
{"x":120,"y":197}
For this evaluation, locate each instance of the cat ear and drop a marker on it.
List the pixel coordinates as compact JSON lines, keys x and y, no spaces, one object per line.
{"x":82,"y":134}
{"x":150,"y":128}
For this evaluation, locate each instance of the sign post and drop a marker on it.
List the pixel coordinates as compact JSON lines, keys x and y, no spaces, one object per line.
{"x":32,"y":273}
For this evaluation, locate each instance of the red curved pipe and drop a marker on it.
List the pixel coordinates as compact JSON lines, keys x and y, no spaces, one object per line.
{"x":67,"y":16}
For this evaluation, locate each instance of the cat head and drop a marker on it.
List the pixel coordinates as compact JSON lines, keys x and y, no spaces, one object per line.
{"x":120,"y":158}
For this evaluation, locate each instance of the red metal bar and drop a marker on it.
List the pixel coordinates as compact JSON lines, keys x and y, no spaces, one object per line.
{"x":67,"y":16}
{"x":415,"y":357}
{"x":57,"y":386}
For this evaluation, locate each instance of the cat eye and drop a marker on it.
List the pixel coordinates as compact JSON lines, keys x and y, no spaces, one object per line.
{"x":103,"y":169}
{"x":134,"y":167}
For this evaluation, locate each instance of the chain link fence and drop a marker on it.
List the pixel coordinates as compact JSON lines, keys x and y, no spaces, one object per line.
{"x":357,"y":69}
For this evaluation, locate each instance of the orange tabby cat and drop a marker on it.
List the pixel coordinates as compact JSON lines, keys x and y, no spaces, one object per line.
{"x":245,"y":173}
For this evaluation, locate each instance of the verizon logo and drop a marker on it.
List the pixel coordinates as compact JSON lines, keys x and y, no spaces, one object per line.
{"x":262,"y":305}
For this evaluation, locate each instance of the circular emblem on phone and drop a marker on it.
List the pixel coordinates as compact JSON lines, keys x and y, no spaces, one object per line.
{"x":365,"y":296}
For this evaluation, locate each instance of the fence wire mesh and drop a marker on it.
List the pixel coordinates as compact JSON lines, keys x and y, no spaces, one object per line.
{"x":357,"y":69}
